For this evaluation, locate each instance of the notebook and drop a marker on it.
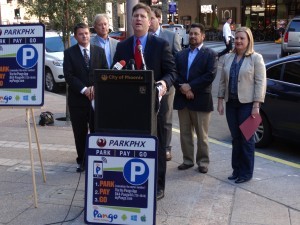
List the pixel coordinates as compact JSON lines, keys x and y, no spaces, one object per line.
{"x":250,"y":125}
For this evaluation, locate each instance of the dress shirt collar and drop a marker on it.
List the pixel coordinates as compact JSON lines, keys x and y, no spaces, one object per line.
{"x":157,"y":32}
{"x":143,"y":40}
{"x":199,"y":47}
{"x":102,"y":40}
{"x":87,"y":48}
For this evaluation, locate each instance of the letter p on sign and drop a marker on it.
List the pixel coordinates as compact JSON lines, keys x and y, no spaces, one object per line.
{"x":28,"y":53}
{"x":137,"y":169}
{"x":136,"y":172}
{"x":27,"y":56}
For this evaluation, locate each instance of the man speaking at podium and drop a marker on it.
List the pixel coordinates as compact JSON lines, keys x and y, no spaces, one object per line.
{"x":157,"y":56}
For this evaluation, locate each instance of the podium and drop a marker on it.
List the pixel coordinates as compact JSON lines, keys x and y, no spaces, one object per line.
{"x":125,"y":102}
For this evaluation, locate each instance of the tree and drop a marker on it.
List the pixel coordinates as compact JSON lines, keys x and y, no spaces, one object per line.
{"x":63,"y":15}
{"x":93,"y":7}
{"x":37,"y":8}
{"x":115,"y":18}
{"x":248,"y":21}
{"x":165,"y":10}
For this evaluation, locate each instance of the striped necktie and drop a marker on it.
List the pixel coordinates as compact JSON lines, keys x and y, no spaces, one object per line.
{"x":86,"y":57}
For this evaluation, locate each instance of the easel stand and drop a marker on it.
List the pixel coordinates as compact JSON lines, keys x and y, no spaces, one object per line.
{"x":28,"y":111}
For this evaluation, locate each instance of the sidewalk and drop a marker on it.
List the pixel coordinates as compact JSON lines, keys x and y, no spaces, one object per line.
{"x":270,"y":198}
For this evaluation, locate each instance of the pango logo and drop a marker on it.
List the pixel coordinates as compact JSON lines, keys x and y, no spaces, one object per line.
{"x":104,"y":217}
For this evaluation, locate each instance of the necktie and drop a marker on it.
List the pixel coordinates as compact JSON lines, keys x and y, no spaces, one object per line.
{"x":137,"y":55}
{"x":86,"y":57}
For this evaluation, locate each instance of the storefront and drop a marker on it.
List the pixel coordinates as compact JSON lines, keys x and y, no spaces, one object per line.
{"x":252,"y":13}
{"x":261,"y":14}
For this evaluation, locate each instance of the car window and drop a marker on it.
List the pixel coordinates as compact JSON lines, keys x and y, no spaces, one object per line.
{"x":275,"y":72}
{"x":115,"y":33}
{"x":55,"y":44}
{"x":291,"y":73}
{"x":295,"y":26}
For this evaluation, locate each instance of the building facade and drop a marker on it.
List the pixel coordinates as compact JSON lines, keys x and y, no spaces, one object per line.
{"x":12,"y":13}
{"x":251,"y":13}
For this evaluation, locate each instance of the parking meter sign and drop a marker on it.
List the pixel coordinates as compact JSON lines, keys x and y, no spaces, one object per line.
{"x":120,"y":189}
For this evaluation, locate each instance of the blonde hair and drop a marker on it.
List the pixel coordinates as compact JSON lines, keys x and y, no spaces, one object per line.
{"x":250,"y":47}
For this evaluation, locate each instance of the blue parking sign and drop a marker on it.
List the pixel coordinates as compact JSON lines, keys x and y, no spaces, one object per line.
{"x":172,"y":7}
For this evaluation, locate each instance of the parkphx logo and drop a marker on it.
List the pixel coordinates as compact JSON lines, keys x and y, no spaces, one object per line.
{"x":5,"y":98}
{"x":104,"y":217}
{"x":23,"y":31}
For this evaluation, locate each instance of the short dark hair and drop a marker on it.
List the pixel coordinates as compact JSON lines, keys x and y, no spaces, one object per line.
{"x":157,"y":12}
{"x":80,"y":25}
{"x":229,"y":17}
{"x":200,"y":26}
{"x":142,"y":6}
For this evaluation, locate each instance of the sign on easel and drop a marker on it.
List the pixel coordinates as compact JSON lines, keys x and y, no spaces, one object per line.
{"x":22,"y":53}
{"x":120,"y":180}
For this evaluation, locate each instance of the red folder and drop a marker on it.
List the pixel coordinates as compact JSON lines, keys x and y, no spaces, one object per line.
{"x":250,"y":125}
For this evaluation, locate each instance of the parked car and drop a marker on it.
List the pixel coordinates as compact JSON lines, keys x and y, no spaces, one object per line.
{"x":54,"y":55}
{"x":281,"y":110}
{"x":119,"y":35}
{"x":290,"y":41}
{"x":180,"y":30}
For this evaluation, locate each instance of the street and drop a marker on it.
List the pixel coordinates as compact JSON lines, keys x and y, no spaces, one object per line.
{"x":218,"y":129}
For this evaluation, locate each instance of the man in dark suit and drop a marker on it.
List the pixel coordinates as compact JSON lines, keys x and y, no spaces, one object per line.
{"x":174,"y":41}
{"x":158,"y":57}
{"x":196,"y":68}
{"x":80,"y":61}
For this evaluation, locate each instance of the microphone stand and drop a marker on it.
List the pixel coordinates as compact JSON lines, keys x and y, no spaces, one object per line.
{"x":140,"y":47}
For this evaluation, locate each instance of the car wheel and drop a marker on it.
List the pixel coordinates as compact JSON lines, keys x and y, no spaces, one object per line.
{"x":50,"y":84}
{"x":263,"y":134}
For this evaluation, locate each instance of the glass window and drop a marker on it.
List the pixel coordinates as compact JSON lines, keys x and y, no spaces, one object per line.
{"x":275,"y":72}
{"x":291,"y":73}
{"x":55,"y":44}
{"x":295,"y":26}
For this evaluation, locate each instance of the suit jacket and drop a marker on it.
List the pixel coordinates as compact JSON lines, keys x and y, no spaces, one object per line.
{"x":251,"y":80}
{"x":78,"y":75}
{"x":201,"y":75}
{"x":173,"y":39}
{"x":112,"y":46}
{"x":157,"y":54}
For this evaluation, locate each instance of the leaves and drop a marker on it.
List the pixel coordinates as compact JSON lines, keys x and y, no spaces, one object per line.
{"x":62,"y":15}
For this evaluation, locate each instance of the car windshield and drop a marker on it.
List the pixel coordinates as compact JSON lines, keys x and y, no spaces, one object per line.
{"x":295,"y":26}
{"x":55,"y":44}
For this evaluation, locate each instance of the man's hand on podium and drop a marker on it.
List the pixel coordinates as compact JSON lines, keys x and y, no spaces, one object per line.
{"x":162,"y":87}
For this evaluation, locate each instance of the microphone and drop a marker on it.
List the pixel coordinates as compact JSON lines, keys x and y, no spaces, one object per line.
{"x":119,"y":65}
{"x":140,"y":48}
{"x":131,"y":64}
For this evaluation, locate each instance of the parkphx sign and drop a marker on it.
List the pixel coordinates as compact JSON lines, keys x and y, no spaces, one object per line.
{"x":22,"y":53}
